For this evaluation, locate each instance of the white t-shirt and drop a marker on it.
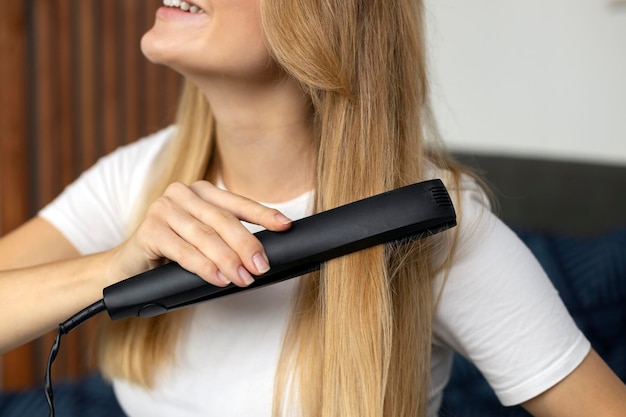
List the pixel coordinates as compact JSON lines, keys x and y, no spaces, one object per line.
{"x":498,"y":308}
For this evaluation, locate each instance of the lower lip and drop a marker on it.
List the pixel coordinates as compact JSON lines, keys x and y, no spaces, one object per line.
{"x":165,"y":12}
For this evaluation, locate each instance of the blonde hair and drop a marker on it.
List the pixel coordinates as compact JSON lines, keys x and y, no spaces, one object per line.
{"x":359,"y":337}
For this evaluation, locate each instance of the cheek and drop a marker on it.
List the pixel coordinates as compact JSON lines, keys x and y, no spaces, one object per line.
{"x":234,"y":46}
{"x":245,"y":50}
{"x":237,"y":23}
{"x":238,"y":30}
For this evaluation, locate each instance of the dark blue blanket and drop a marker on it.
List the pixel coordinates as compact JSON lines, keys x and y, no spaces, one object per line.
{"x":590,"y":274}
{"x":91,"y":396}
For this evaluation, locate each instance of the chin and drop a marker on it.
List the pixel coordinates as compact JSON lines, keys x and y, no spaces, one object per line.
{"x":151,"y":48}
{"x":160,"y":51}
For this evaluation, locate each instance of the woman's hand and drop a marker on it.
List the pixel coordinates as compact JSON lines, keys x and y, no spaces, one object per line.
{"x":199,"y":226}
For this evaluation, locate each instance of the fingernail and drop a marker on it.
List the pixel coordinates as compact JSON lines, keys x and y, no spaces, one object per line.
{"x":261,"y":262}
{"x":282,"y":218}
{"x":223,"y":278}
{"x":245,"y":275}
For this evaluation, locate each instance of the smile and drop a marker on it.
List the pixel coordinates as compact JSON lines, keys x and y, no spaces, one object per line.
{"x":183,"y":5}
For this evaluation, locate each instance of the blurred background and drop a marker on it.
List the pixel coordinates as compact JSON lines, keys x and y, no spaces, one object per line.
{"x":533,"y":93}
{"x":73,"y":86}
{"x":536,"y":78}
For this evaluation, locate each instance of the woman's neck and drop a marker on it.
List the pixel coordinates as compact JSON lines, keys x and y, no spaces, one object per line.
{"x":264,"y":144}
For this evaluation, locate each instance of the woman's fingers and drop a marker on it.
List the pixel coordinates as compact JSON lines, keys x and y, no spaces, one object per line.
{"x":241,"y":207}
{"x":202,"y":231}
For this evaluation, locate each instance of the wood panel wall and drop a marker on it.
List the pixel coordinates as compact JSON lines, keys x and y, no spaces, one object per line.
{"x":73,"y":86}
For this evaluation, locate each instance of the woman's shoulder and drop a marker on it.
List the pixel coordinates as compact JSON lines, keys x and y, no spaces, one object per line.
{"x":129,"y":166}
{"x":95,"y":210}
{"x":145,"y":148}
{"x":497,"y":306}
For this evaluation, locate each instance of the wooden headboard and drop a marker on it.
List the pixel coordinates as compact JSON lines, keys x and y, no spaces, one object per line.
{"x":74,"y":87}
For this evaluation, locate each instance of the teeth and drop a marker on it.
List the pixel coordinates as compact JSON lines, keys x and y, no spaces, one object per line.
{"x":183,"y":5}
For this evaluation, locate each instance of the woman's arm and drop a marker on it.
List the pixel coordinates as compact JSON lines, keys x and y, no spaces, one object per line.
{"x":592,"y":389}
{"x":44,"y":281}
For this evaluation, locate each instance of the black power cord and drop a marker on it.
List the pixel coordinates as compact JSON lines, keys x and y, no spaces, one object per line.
{"x":65,"y":328}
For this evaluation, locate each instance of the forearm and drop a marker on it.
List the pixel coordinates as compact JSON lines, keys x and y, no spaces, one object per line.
{"x":36,"y":299}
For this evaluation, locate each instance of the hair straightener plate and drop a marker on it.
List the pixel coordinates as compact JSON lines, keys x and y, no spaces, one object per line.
{"x":408,"y":212}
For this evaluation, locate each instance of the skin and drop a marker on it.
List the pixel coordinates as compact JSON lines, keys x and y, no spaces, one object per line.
{"x":592,"y":389}
{"x":264,"y":152}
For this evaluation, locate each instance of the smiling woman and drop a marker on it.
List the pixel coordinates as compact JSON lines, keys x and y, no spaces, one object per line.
{"x":88,"y":91}
{"x":290,"y":108}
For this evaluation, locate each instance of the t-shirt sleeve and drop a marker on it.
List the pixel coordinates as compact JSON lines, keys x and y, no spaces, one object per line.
{"x":500,"y":310}
{"x":95,"y":211}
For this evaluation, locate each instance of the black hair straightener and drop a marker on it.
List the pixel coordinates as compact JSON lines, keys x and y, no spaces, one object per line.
{"x":406,"y":213}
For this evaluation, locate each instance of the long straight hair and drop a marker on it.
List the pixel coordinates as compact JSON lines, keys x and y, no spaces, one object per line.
{"x":359,"y":337}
